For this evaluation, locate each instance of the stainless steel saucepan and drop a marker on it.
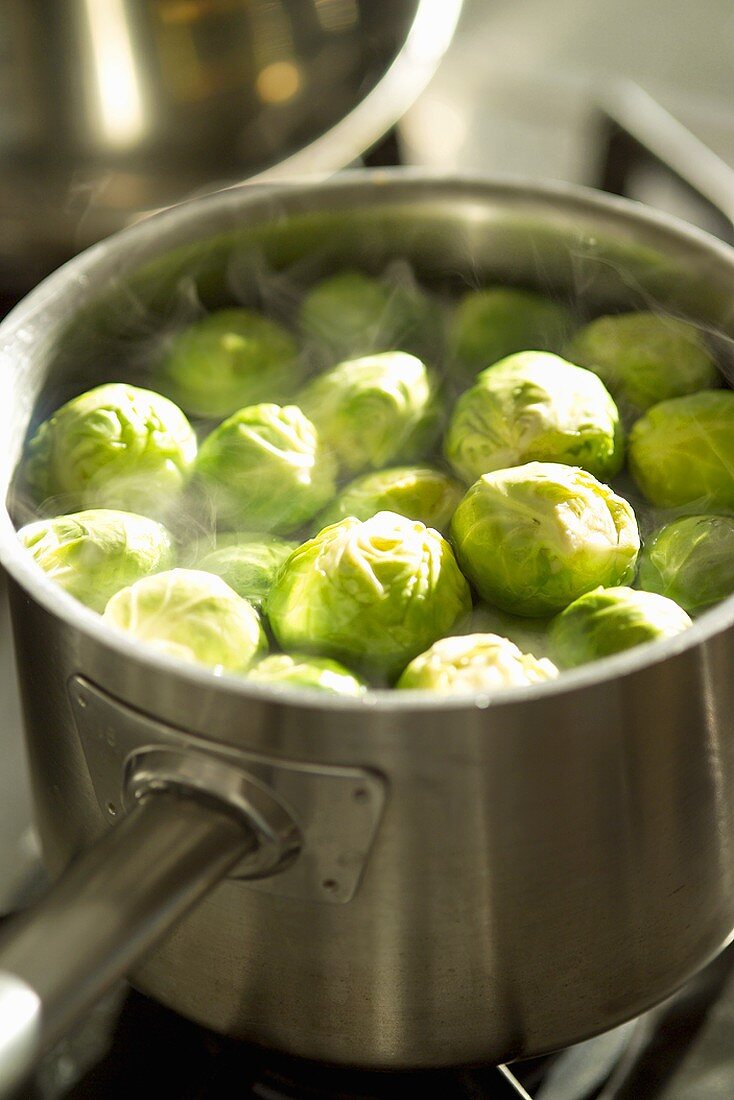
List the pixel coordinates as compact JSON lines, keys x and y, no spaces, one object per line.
{"x":403,"y":880}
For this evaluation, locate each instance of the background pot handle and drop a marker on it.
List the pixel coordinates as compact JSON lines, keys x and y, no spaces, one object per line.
{"x":111,"y":905}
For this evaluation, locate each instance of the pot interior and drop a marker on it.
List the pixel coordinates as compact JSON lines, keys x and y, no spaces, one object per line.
{"x":103,"y":315}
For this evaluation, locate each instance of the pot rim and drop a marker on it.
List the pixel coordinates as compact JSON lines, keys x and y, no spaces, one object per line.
{"x":391,"y":183}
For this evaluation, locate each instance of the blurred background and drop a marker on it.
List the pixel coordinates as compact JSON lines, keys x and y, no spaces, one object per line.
{"x":517,"y":90}
{"x":114,"y":108}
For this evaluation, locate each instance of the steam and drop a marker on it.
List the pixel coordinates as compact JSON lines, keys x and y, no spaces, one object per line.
{"x":127,"y":336}
{"x":594,"y":272}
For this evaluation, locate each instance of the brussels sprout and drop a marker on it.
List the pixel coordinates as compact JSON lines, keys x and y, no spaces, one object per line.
{"x":247,"y":562}
{"x":373,"y":594}
{"x":609,"y":620}
{"x":691,"y":561}
{"x":116,"y":446}
{"x":534,"y":406}
{"x":94,"y":554}
{"x":533,"y":538}
{"x":373,"y":411}
{"x":682,"y":451}
{"x":417,"y":492}
{"x":352,"y":314}
{"x":474,"y":662}
{"x":495,"y":322}
{"x":644,"y":358}
{"x":264,"y":469}
{"x":318,"y":673}
{"x":229,"y":359}
{"x":191,"y":615}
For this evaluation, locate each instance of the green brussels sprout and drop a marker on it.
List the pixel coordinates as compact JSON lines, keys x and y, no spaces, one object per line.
{"x":533,"y":538}
{"x":691,"y":561}
{"x":610,"y":620}
{"x":352,"y":314}
{"x":495,"y":322}
{"x":247,"y":562}
{"x":373,"y":594}
{"x":116,"y":446}
{"x":417,"y":492}
{"x":191,"y":615}
{"x":682,"y":451}
{"x":373,"y":411}
{"x":264,"y":469}
{"x":534,"y":406}
{"x":229,"y":359}
{"x":474,"y":662}
{"x":94,"y":554}
{"x":644,"y":358}
{"x":318,"y":673}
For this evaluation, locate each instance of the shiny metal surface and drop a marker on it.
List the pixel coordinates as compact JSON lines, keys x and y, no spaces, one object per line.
{"x":550,"y":861}
{"x":20,"y":1031}
{"x":314,"y":824}
{"x":108,"y":909}
{"x":514,"y":1088}
{"x":18,"y":847}
{"x":154,"y":769}
{"x":115,"y":108}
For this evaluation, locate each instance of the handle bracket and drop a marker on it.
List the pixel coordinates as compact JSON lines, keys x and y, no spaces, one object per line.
{"x":327,"y":815}
{"x":278,"y":837}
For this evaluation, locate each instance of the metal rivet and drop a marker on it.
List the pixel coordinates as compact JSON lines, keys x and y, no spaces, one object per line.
{"x":330,"y":884}
{"x":361,"y":794}
{"x":112,"y":809}
{"x":81,"y":700}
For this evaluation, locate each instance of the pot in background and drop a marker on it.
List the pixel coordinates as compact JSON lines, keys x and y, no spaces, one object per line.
{"x":115,"y":108}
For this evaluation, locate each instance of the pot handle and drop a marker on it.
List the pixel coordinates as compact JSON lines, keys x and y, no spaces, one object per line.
{"x":111,"y":905}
